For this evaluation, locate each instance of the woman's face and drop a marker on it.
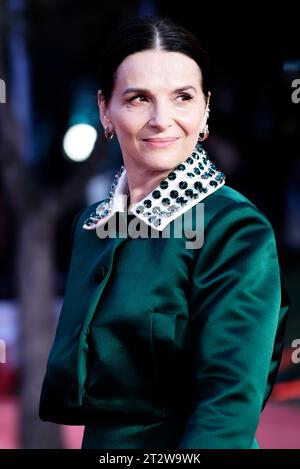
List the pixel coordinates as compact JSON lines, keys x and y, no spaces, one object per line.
{"x":156,"y":109}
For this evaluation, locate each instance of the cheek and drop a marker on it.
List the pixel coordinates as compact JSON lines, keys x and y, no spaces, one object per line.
{"x":130,"y":122}
{"x":189,"y":124}
{"x":190,"y":119}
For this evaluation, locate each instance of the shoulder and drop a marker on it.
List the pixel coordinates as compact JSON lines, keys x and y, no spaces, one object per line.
{"x":225,"y":196}
{"x":229,"y":204}
{"x":236,"y":229}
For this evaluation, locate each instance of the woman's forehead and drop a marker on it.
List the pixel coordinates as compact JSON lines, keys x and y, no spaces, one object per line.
{"x":153,"y":67}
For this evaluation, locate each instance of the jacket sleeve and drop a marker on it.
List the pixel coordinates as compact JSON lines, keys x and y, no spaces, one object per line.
{"x":238,"y":322}
{"x":74,"y":224}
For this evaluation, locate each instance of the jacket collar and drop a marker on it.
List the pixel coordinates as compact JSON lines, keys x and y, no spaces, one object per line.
{"x":186,"y":185}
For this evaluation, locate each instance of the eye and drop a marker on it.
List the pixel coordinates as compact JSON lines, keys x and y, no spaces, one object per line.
{"x":185,"y":97}
{"x":138,"y":98}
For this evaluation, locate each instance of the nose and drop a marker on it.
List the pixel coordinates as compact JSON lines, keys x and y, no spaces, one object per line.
{"x":161,"y":117}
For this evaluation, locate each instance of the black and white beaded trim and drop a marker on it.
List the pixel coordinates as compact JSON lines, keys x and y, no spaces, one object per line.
{"x":189,"y":183}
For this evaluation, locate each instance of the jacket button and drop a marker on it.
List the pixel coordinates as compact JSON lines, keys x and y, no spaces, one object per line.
{"x":100,"y":274}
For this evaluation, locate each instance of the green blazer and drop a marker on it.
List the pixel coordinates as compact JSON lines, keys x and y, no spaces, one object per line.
{"x":161,"y":346}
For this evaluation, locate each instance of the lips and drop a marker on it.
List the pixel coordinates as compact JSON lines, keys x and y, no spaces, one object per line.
{"x":161,"y":140}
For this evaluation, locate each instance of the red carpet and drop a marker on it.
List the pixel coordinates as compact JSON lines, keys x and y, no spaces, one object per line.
{"x":278,"y":428}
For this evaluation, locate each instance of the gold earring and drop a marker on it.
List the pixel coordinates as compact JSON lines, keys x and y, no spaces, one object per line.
{"x":204,"y":134}
{"x":109,"y":134}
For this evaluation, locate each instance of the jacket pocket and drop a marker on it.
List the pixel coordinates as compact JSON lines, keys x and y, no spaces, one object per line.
{"x":163,"y":346}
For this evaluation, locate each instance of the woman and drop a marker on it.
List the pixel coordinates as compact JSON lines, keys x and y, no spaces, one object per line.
{"x":161,"y":344}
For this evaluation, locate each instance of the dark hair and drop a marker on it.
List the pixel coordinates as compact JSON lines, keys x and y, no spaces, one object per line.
{"x":144,"y":33}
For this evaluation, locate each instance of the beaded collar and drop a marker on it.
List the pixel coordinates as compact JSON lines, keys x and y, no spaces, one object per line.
{"x":186,"y":185}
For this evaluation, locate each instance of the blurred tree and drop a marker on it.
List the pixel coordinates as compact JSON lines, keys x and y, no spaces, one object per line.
{"x":36,"y":209}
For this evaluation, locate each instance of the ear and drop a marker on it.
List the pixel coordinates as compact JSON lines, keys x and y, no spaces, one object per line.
{"x":103,"y":110}
{"x":203,"y":125}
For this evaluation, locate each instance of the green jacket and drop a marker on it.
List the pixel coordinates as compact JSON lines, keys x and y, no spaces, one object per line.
{"x":160,"y":345}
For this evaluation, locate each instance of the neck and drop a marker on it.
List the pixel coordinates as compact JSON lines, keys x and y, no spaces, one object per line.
{"x":141,"y":182}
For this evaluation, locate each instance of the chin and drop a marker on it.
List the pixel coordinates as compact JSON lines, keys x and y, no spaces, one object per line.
{"x":161,"y":162}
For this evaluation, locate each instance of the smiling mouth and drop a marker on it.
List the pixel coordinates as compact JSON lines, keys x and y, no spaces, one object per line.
{"x":160,"y":142}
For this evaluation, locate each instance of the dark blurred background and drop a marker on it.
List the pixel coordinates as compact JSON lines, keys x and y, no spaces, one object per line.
{"x":50,"y":68}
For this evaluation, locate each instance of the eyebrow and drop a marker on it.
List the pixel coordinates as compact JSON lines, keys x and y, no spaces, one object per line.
{"x":144,"y":90}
